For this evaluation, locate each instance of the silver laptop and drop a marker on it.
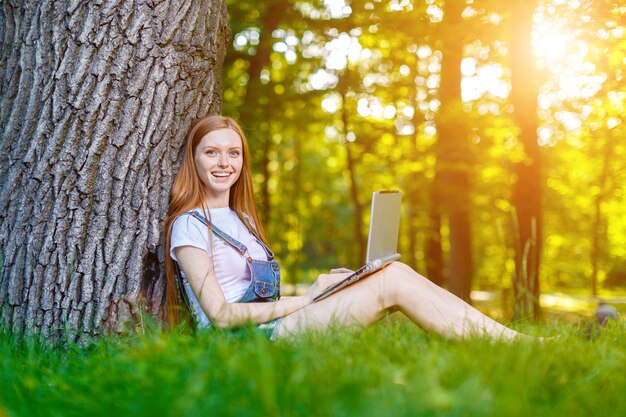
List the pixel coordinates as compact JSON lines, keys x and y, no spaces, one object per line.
{"x":382,"y":241}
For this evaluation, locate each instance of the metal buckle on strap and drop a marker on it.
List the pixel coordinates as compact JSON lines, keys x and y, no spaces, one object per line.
{"x":247,"y":255}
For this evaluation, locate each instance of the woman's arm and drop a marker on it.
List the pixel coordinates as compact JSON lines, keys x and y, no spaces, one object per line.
{"x":198,"y":268}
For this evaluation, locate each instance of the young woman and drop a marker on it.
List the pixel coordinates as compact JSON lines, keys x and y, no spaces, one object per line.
{"x":219,"y":260}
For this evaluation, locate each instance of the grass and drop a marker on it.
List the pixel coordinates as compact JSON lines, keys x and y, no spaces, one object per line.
{"x":391,"y":368}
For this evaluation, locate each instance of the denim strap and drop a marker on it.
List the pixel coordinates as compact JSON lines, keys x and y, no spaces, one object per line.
{"x":268,"y":251}
{"x":243,"y":250}
{"x":231,"y":241}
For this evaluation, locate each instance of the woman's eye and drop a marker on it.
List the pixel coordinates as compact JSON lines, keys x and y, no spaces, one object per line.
{"x":210,"y":152}
{"x":234,"y":153}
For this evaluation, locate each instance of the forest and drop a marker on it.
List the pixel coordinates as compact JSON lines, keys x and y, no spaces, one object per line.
{"x":501,"y":122}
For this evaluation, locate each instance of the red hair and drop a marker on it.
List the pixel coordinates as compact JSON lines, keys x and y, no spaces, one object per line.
{"x":188,"y":192}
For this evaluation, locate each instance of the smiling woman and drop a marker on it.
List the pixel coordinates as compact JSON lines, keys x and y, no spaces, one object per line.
{"x":218,"y":260}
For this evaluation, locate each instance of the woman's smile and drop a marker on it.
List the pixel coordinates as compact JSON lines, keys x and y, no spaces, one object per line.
{"x":222,"y":175}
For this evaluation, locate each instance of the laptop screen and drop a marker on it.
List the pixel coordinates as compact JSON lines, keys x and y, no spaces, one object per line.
{"x":384,"y":224}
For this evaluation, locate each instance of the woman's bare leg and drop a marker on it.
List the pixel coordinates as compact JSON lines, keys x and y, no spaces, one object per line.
{"x":396,"y":287}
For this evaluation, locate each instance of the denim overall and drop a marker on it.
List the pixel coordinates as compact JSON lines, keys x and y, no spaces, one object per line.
{"x":265,"y":275}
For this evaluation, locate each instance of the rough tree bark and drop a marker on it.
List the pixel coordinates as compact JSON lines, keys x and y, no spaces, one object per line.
{"x":527,"y":190}
{"x":95,"y":99}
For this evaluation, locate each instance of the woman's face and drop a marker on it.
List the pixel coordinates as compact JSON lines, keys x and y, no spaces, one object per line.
{"x":219,"y":159}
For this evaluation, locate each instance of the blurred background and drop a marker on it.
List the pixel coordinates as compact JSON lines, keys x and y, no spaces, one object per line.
{"x":501,"y":121}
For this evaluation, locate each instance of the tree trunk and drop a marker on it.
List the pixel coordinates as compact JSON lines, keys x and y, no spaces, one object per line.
{"x":453,"y":161}
{"x":252,"y":109}
{"x":596,"y":229}
{"x":412,"y":189}
{"x":95,"y":101}
{"x":527,"y":190}
{"x":359,"y":239}
{"x":434,"y":252}
{"x":296,"y":225}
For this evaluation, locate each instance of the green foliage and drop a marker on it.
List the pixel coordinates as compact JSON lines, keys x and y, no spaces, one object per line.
{"x":390,"y":367}
{"x":367,"y":78}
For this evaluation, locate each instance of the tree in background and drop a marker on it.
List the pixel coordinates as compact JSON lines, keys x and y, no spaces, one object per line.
{"x":257,"y":101}
{"x":394,"y":51}
{"x":95,"y":100}
{"x":528,"y":188}
{"x":454,"y":165}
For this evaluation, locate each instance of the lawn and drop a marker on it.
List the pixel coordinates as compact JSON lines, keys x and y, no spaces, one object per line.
{"x":390,"y":369}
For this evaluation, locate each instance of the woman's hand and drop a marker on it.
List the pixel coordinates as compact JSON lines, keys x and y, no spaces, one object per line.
{"x":324,"y":281}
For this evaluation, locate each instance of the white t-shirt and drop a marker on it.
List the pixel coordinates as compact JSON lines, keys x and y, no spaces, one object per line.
{"x":231,"y":269}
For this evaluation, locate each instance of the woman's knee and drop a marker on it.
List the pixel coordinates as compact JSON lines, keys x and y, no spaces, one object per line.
{"x":401,"y":270}
{"x":391,"y":282}
{"x":394,"y":281}
{"x":404,"y":275}
{"x":409,"y":271}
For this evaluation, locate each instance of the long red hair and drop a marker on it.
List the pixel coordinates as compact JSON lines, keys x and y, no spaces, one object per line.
{"x":188,"y":192}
